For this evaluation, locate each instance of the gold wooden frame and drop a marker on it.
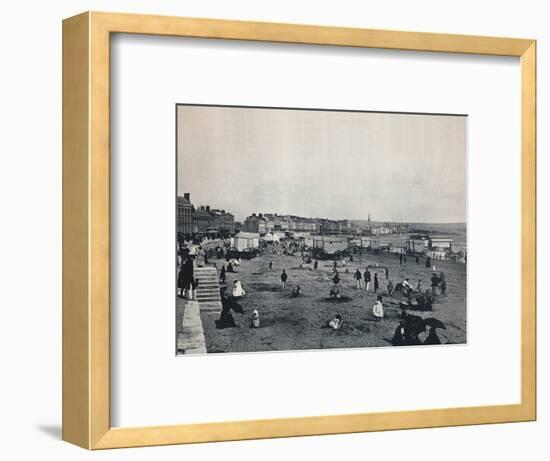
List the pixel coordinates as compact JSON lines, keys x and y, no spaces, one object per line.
{"x":86,"y":257}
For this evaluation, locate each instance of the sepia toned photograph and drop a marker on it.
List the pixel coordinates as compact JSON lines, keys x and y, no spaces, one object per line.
{"x":307,"y":229}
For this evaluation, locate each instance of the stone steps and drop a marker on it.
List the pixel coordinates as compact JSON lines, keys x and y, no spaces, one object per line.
{"x":207,"y":299}
{"x":208,"y":291}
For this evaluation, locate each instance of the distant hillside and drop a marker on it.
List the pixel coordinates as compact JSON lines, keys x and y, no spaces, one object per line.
{"x":428,"y":227}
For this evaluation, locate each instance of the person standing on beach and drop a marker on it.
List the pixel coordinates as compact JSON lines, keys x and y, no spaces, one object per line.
{"x":443,"y":287}
{"x":378,"y":308}
{"x":181,"y":282}
{"x":435,"y":283}
{"x":376,"y":282}
{"x":271,"y":264}
{"x":387,"y":272}
{"x":358,"y":277}
{"x":188,"y":277}
{"x":367,"y":278}
{"x":315,"y":265}
{"x":284,"y":278}
{"x":400,"y":258}
{"x":336,"y":279}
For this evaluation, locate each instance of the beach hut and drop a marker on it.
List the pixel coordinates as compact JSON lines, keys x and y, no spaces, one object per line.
{"x":370,"y":242}
{"x":441,"y":244}
{"x":244,"y":240}
{"x":330,"y":245}
{"x":418,"y":244}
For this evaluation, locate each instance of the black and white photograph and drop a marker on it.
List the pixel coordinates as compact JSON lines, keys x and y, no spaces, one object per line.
{"x":307,"y":229}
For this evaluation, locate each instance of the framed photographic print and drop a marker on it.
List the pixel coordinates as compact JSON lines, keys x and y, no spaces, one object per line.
{"x":276,"y":230}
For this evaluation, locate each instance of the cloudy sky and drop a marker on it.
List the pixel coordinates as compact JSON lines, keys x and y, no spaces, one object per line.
{"x":400,"y":167}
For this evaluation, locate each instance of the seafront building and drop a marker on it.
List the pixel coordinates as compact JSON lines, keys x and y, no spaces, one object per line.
{"x":263,"y":223}
{"x":184,"y":214}
{"x":202,"y":220}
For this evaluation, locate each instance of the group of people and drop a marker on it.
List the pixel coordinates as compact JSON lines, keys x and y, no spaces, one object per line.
{"x":367,"y":278}
{"x":377,"y":310}
{"x":408,"y":331}
{"x":229,"y":304}
{"x":187,"y":283}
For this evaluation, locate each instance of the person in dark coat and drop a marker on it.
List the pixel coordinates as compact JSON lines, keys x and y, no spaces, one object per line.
{"x":226,"y":319}
{"x":187,"y":278}
{"x":414,"y":325}
{"x":180,"y":282}
{"x":399,"y":335}
{"x":376,"y":282}
{"x":435,"y":283}
{"x":358,"y":277}
{"x":222,"y":275}
{"x":336,"y":279}
{"x":271,"y":264}
{"x":284,"y":278}
{"x":443,"y":287}
{"x":367,"y":278}
{"x":230,"y":267}
{"x":432,"y":337}
{"x":428,"y":262}
{"x":387,"y":273}
{"x":315,"y":264}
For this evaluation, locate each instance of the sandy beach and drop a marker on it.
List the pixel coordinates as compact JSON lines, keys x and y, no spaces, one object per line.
{"x":295,"y":323}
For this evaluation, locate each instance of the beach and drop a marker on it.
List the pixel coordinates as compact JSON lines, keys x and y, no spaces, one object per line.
{"x":295,"y":323}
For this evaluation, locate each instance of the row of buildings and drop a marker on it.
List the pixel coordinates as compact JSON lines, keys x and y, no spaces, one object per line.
{"x":193,"y":220}
{"x":263,"y":223}
{"x":272,"y":222}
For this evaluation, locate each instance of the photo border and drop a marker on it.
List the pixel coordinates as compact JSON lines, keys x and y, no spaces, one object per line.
{"x":86,"y":229}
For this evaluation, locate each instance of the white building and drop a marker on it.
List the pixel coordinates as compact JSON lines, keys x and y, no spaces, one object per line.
{"x":440,"y":243}
{"x":244,"y":240}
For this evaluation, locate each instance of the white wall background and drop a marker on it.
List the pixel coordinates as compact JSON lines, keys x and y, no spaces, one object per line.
{"x":30,"y":227}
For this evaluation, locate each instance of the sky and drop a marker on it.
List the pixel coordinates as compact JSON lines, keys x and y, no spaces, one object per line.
{"x":324,"y":164}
